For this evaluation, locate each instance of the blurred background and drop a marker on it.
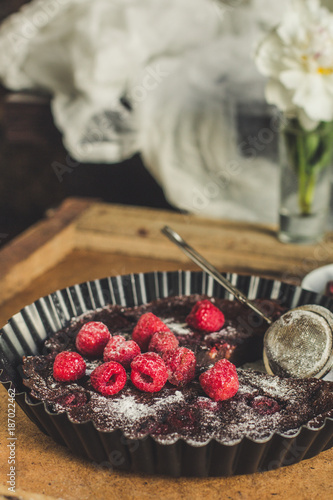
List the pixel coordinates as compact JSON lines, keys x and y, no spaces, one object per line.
{"x":37,"y":172}
{"x":30,"y":143}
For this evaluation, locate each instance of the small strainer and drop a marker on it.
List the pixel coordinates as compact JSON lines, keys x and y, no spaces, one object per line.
{"x":298,"y":344}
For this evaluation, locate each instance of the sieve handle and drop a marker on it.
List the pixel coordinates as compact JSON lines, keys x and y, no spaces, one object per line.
{"x":211,"y":270}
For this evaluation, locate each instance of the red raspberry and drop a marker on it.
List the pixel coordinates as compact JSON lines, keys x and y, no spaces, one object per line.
{"x":205,"y":316}
{"x":92,"y":338}
{"x":116,"y":340}
{"x":180,"y":364}
{"x":120,"y":350}
{"x":163,"y":342}
{"x":68,"y":366}
{"x":145,"y":328}
{"x":221,"y":381}
{"x":108,"y":378}
{"x":149,"y":372}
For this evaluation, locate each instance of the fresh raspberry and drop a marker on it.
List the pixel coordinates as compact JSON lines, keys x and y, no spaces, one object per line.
{"x":149,"y":372}
{"x":108,"y":378}
{"x":205,"y":316}
{"x":92,"y":338}
{"x":68,"y":366}
{"x":121,"y":350}
{"x":221,"y":381}
{"x":180,"y":364}
{"x":116,"y":341}
{"x":264,"y":405}
{"x":163,"y":342}
{"x":145,"y":328}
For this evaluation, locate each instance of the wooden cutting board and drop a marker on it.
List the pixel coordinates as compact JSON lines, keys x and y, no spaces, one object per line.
{"x":84,"y":240}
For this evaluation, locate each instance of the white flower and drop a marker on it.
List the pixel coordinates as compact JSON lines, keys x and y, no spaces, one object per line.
{"x":297,"y":56}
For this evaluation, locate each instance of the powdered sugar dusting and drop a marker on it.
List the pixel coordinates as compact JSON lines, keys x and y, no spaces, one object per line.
{"x":178,"y":328}
{"x":124,"y":406}
{"x":130,"y":411}
{"x":188,"y":413}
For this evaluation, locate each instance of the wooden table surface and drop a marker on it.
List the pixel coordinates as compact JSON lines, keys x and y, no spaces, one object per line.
{"x":85,"y":240}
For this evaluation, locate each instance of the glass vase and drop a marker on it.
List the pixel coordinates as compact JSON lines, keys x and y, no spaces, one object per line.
{"x":305,"y":181}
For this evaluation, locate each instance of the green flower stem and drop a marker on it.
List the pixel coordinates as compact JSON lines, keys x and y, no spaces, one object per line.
{"x":308,"y":153}
{"x":307,"y":185}
{"x":306,"y":176}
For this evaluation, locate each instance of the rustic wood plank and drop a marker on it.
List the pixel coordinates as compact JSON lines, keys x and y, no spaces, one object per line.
{"x":39,"y":248}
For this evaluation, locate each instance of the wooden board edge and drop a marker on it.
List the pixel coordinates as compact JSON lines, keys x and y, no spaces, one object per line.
{"x":40,"y":247}
{"x":123,"y":229}
{"x":169,"y":217}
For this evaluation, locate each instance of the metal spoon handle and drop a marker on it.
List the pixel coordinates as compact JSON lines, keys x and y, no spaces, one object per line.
{"x":211,"y":270}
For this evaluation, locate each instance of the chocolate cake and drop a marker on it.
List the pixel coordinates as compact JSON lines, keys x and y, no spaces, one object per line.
{"x":263,"y":404}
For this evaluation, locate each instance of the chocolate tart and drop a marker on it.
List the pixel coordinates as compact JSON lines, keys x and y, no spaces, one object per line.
{"x":270,"y":422}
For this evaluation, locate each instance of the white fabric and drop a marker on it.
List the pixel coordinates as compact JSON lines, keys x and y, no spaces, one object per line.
{"x":181,"y":65}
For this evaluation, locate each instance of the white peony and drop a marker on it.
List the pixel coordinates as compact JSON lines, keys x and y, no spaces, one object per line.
{"x":297,"y":56}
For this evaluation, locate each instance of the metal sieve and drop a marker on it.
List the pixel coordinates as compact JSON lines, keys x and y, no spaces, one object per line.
{"x":299,"y":344}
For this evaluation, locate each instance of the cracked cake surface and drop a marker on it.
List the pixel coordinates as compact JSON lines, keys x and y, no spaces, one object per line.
{"x":263,"y":404}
